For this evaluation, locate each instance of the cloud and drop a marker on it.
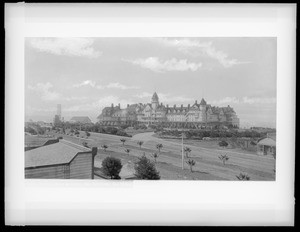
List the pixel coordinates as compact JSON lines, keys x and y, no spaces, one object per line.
{"x":101,"y":103}
{"x":165,"y":97}
{"x":259,"y":100}
{"x":144,"y":95}
{"x":120,"y":86}
{"x":115,"y":85}
{"x":85,"y":83}
{"x":44,"y":91}
{"x":157,"y":65}
{"x":195,"y":48}
{"x":244,"y":100}
{"x":81,"y":47}
{"x":226,"y":100}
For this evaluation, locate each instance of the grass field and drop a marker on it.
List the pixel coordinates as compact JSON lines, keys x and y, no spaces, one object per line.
{"x":208,"y":166}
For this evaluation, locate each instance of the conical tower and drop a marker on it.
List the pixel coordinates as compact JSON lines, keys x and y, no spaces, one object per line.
{"x":154,"y":101}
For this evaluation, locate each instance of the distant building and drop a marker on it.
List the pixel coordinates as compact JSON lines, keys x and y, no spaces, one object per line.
{"x":56,"y":120}
{"x":80,"y":119}
{"x":155,"y":112}
{"x":62,"y":160}
{"x":267,"y":145}
{"x":59,"y":111}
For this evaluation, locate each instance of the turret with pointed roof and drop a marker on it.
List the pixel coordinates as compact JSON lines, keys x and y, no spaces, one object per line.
{"x":155,"y":97}
{"x":203,"y":102}
{"x":155,"y":102}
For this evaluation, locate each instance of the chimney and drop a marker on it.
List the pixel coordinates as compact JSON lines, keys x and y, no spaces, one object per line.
{"x":188,"y":106}
{"x":167,"y":105}
{"x":94,"y":153}
{"x":196,"y":102}
{"x":174,"y":106}
{"x":181,"y":106}
{"x":119,"y":105}
{"x":127,"y":105}
{"x":112,"y":105}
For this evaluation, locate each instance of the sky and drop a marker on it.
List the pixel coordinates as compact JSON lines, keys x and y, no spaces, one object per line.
{"x":86,"y":74}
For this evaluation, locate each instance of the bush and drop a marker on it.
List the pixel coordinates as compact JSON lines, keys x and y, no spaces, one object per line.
{"x":145,"y":169}
{"x":223,"y":143}
{"x":85,"y":144}
{"x":112,"y":167}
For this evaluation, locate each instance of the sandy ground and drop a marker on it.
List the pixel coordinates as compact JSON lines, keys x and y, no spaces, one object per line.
{"x":169,"y":164}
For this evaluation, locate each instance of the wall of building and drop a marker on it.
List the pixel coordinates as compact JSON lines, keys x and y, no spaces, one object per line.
{"x":48,"y":172}
{"x":81,"y":166}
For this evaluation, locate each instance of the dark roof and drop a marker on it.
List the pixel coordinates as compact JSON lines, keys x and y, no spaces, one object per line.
{"x":267,"y":141}
{"x":155,"y":97}
{"x":58,"y":153}
{"x":203,"y":102}
{"x":81,"y":119}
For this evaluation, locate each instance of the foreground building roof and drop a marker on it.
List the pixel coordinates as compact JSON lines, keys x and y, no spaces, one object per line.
{"x":58,"y":153}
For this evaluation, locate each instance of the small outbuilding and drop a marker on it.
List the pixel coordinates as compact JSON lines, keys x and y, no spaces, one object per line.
{"x":62,"y":160}
{"x":267,"y":146}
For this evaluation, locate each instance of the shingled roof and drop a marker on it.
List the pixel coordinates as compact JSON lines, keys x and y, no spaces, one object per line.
{"x":83,"y":119}
{"x":58,"y":153}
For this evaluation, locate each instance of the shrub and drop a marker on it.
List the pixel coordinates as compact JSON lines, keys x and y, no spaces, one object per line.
{"x":145,"y":169}
{"x":123,"y":141}
{"x":243,"y":176}
{"x":140,"y":143}
{"x":155,"y":156}
{"x":127,"y":151}
{"x":104,"y":147}
{"x":187,"y":151}
{"x":85,"y":144}
{"x":223,"y":143}
{"x":159,"y":146}
{"x":223,"y":158}
{"x":112,"y":167}
{"x":191,"y":163}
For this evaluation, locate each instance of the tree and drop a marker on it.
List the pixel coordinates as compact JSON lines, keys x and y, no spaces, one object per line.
{"x":140,"y":143}
{"x":123,"y":141}
{"x":104,"y":147}
{"x":145,"y":169}
{"x":155,"y":156}
{"x":274,"y":156}
{"x":223,"y":143}
{"x":191,"y":163}
{"x":88,"y":134}
{"x":187,"y":151}
{"x":112,"y":167}
{"x":243,"y":176}
{"x":76,"y":132}
{"x":85,"y":144}
{"x":223,"y":158}
{"x":127,"y":151}
{"x":159,"y":146}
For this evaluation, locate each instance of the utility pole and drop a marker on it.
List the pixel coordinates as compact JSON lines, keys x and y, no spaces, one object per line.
{"x":182,"y":150}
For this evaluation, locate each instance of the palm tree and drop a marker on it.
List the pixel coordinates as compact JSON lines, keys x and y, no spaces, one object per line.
{"x":127,"y":151}
{"x":159,"y":146}
{"x":104,"y":146}
{"x":243,"y":176}
{"x":187,"y":151}
{"x":191,"y":163}
{"x":140,"y":143}
{"x":123,"y":141}
{"x":223,"y":158}
{"x":155,"y":156}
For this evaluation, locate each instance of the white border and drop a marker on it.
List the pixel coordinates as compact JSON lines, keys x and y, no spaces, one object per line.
{"x":139,"y":202}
